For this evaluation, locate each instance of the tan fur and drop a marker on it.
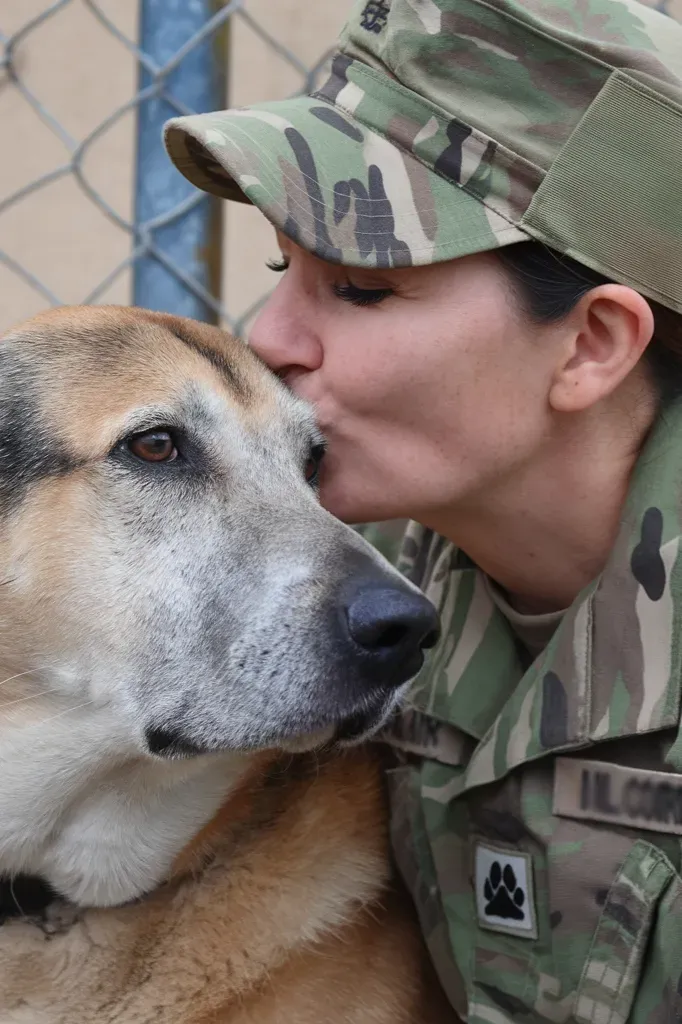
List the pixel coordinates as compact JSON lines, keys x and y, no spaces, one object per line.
{"x":282,"y":908}
{"x":289,"y":918}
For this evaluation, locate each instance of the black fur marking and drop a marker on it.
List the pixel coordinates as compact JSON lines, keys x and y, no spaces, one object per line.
{"x":239,"y":386}
{"x":28,"y":451}
{"x":24,"y":896}
{"x":170,"y":743}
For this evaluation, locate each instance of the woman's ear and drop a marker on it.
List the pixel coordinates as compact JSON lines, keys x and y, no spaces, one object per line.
{"x":610,"y":329}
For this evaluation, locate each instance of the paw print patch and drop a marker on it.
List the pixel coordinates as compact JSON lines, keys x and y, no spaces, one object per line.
{"x":505,"y":899}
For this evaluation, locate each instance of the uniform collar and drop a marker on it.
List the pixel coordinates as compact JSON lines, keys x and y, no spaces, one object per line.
{"x":613,"y":667}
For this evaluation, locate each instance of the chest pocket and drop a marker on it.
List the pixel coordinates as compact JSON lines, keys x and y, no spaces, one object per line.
{"x":586,"y":926}
{"x":607,"y":946}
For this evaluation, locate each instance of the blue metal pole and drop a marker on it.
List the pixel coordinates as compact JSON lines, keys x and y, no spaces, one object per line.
{"x":190,"y":241}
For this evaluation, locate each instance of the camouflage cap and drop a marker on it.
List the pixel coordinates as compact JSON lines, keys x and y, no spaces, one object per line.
{"x":449,"y":127}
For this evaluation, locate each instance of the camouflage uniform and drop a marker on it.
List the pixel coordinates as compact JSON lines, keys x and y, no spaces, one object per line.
{"x":537,"y":808}
{"x":524,"y":760}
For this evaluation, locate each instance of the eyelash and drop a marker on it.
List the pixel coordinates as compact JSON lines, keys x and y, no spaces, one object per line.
{"x":361,"y":296}
{"x":347,"y":292}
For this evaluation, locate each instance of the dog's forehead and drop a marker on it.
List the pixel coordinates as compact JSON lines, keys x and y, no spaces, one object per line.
{"x":118,"y":341}
{"x":93,"y":367}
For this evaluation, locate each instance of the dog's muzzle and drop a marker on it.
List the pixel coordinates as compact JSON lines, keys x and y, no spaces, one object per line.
{"x":384,"y":627}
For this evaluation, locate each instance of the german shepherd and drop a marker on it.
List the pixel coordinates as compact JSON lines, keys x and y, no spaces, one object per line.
{"x":191,"y":650}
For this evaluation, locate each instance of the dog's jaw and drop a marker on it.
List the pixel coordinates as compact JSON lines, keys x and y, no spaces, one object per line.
{"x":84,"y":810}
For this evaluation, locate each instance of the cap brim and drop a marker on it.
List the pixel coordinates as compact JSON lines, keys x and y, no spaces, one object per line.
{"x":334,"y":186}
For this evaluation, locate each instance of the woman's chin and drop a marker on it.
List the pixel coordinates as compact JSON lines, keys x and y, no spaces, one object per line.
{"x":346,"y":511}
{"x":351,"y":507}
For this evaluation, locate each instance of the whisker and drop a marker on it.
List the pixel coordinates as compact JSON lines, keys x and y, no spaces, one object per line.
{"x":18,"y":675}
{"x":14,"y":898}
{"x":27,"y":672}
{"x":32,"y":696}
{"x":65,"y":712}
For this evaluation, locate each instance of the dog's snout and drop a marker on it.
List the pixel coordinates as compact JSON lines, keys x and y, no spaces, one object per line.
{"x":385,"y":619}
{"x":393,"y":624}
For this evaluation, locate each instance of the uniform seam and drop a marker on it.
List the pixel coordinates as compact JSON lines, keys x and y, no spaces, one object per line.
{"x":587,"y":723}
{"x":537,"y":31}
{"x":640,"y":87}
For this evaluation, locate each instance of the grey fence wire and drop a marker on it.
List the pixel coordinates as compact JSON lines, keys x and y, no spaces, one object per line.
{"x":156,"y":79}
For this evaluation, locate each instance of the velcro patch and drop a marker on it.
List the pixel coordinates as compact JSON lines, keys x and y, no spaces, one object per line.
{"x":505,"y":900}
{"x":598,"y":791}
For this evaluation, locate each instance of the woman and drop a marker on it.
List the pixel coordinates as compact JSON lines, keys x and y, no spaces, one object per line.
{"x":520,"y":406}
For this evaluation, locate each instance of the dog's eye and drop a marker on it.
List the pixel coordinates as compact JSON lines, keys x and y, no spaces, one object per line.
{"x":312,"y":466}
{"x":153,"y":446}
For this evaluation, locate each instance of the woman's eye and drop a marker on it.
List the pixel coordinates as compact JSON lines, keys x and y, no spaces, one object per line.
{"x":312,"y":466}
{"x":153,"y":446}
{"x":361,"y":296}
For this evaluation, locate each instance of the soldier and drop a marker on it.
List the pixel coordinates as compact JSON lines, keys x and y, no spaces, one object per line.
{"x":480,"y":223}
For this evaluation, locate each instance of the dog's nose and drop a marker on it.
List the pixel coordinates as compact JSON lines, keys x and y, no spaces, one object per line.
{"x":393,"y":625}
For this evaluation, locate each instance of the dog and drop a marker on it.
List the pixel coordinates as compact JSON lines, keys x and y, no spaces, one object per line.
{"x":192,"y":650}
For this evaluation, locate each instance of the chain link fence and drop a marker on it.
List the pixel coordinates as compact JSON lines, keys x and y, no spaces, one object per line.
{"x":159,"y":243}
{"x":174,"y":56}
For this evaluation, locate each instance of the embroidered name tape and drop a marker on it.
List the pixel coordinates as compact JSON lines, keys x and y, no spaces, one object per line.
{"x":505,"y":900}
{"x":635,"y":797}
{"x":418,"y":734}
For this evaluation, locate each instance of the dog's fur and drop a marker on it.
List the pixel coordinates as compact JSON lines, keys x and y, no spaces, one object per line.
{"x":169,"y":651}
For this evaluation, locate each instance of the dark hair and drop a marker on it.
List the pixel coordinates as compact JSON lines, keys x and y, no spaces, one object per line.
{"x":550,"y":285}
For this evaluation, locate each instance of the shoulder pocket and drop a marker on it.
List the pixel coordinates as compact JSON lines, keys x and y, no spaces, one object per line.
{"x":612,"y":971}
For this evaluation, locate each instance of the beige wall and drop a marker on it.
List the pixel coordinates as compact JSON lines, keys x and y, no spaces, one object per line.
{"x":82,"y":74}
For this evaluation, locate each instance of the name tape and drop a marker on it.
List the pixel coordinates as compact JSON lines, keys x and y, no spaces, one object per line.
{"x":415,"y":733}
{"x":598,"y":791}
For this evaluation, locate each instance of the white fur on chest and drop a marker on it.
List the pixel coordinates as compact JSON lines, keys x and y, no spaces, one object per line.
{"x":82,"y":808}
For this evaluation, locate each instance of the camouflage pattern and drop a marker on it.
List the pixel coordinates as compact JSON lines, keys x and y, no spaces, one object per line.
{"x":479,"y":749}
{"x":670,"y":7}
{"x":448,"y":127}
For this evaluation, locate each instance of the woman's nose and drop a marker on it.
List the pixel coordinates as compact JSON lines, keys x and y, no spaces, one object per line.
{"x":283,"y":334}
